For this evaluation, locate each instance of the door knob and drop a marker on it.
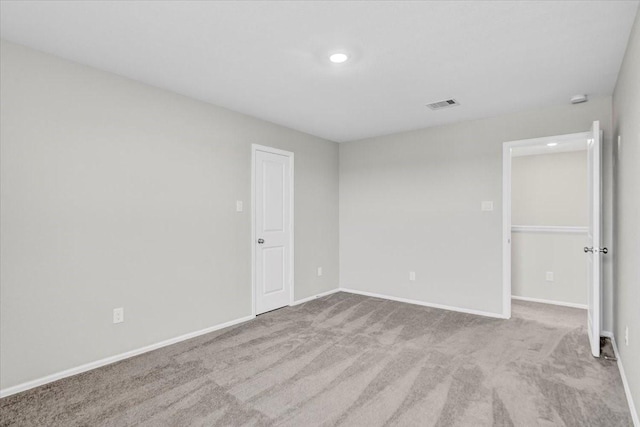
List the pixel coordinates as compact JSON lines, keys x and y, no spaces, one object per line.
{"x":603,"y":250}
{"x":260,"y":241}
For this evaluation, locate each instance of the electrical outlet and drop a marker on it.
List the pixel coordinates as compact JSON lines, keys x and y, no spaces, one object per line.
{"x":626,"y":335}
{"x":412,"y":276}
{"x":118,"y":315}
{"x":549,"y":276}
{"x":319,"y":271}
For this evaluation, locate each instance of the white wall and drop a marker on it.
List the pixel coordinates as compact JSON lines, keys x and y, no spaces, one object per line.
{"x":626,"y":252}
{"x":118,"y":194}
{"x":411,"y":202}
{"x":533,"y":254}
{"x":549,"y":189}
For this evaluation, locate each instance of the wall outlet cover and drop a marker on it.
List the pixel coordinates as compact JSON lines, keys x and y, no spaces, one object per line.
{"x":118,"y":315}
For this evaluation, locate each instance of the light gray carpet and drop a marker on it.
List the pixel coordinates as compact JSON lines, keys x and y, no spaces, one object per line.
{"x":354,"y":361}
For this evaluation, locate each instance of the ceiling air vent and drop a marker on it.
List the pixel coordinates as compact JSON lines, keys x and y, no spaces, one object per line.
{"x":443,"y":104}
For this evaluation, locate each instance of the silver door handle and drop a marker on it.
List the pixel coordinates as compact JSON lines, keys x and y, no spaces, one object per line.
{"x":602,"y":250}
{"x":260,"y":241}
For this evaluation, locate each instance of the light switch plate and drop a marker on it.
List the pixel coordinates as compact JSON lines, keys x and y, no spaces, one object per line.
{"x":487,"y":206}
{"x":412,"y":276}
{"x":549,"y":276}
{"x":239,"y":206}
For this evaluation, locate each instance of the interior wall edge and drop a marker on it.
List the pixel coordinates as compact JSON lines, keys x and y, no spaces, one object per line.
{"x":626,"y":250}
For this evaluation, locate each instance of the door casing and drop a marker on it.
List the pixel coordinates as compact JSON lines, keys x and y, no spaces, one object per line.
{"x":506,"y":205}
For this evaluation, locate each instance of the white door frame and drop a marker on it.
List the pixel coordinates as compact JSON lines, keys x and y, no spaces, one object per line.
{"x":254,"y":148}
{"x":506,"y":206}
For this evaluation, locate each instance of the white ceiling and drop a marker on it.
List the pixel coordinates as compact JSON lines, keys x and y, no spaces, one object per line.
{"x":269,"y":59}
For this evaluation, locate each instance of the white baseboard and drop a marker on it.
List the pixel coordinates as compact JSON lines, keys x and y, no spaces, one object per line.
{"x":546,"y":301}
{"x":312,"y":297}
{"x":625,"y":384}
{"x":426,"y":304}
{"x":112,"y":359}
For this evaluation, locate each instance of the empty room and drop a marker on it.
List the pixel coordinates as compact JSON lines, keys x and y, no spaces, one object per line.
{"x":319,"y":213}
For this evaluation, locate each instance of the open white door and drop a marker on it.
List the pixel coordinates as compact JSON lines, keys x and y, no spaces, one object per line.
{"x":592,"y":249}
{"x":273,"y":216}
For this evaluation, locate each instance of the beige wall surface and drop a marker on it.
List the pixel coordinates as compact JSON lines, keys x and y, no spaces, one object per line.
{"x":626,"y":252}
{"x":118,"y":194}
{"x":536,"y":253}
{"x":550,"y":189}
{"x":411,"y":202}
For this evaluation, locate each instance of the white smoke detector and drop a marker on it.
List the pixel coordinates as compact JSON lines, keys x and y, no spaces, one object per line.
{"x":578,"y":99}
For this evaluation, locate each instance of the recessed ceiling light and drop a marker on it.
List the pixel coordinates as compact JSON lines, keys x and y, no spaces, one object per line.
{"x":552,"y":144}
{"x":338,"y":58}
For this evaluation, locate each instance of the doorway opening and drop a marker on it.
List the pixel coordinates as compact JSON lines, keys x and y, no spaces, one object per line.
{"x":551,"y":224}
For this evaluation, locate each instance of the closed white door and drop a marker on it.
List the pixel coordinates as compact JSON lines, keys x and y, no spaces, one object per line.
{"x":593,"y":249}
{"x":272,"y":228}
